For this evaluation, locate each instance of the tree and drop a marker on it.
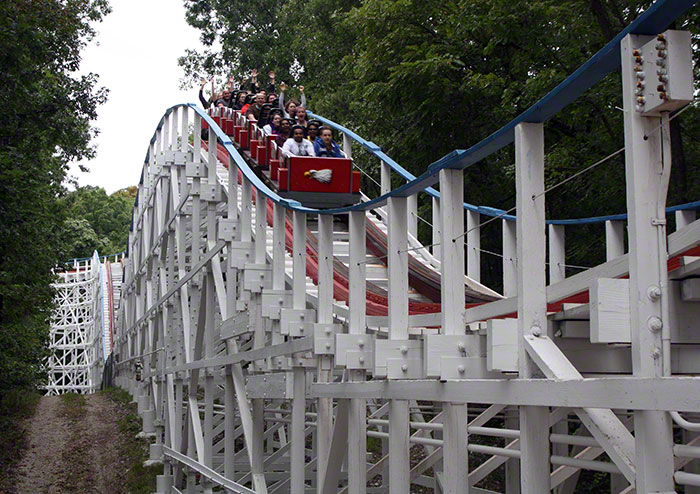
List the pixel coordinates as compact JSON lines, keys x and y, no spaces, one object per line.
{"x":47,"y":110}
{"x":97,"y":221}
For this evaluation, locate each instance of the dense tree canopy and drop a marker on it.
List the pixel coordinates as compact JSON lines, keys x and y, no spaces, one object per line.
{"x":97,"y":221}
{"x":47,"y":110}
{"x":424,"y":78}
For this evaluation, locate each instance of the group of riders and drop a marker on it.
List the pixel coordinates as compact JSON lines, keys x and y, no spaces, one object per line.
{"x":285,"y":119}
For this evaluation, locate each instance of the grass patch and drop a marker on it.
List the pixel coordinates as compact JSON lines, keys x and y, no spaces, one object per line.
{"x":16,"y":406}
{"x":139,"y":479}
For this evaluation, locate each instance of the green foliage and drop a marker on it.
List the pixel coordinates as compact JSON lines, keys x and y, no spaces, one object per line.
{"x":97,"y":221}
{"x":47,"y":110}
{"x":140,"y":479}
{"x":423,"y":78}
{"x":16,"y":407}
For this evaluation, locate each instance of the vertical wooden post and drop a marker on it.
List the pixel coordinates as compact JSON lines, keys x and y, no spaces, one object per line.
{"x":557,"y":272}
{"x":298,"y":452}
{"x":357,"y":425}
{"x":473,"y":245}
{"x":643,"y":164}
{"x":455,"y":462}
{"x":324,"y":428}
{"x":614,"y":239}
{"x":532,"y":302}
{"x":399,"y":471}
{"x":510,"y":289}
{"x":437,"y":232}
{"x":413,"y":215}
{"x":385,"y":180}
{"x":684,"y":218}
{"x":347,"y":146}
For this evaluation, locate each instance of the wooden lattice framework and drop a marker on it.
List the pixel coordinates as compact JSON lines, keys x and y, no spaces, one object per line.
{"x":255,"y":373}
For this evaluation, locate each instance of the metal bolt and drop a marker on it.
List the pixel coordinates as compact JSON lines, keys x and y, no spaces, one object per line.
{"x":460,"y":369}
{"x":360,"y":343}
{"x":536,"y":331}
{"x":404,"y":349}
{"x":361,"y":360}
{"x":404,"y":368}
{"x":461,"y":346}
{"x":301,"y":316}
{"x":654,"y":293}
{"x":328,"y":346}
{"x":328,"y":331}
{"x":655,"y":324}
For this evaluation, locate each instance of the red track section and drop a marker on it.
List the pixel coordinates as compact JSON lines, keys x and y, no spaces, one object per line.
{"x":377,"y":304}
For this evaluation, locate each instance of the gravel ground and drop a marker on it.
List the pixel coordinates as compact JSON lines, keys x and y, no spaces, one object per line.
{"x":67,"y":456}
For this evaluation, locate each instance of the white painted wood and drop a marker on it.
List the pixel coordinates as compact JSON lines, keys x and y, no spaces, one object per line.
{"x":437,"y":233}
{"x":324,"y":419}
{"x":413,"y":215}
{"x":614,"y":239}
{"x":347,"y":146}
{"x":299,"y":261}
{"x":473,"y":245}
{"x":398,"y":269}
{"x":502,"y":345}
{"x":510,"y":265}
{"x":610,"y":311}
{"x":645,"y":199}
{"x":278,"y":247}
{"x":684,"y":218}
{"x":532,"y":302}
{"x":557,"y":253}
{"x":452,"y":277}
{"x":603,"y":424}
{"x":385,"y":177}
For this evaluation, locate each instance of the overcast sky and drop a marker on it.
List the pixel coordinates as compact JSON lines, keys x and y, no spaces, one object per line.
{"x":136,"y":57}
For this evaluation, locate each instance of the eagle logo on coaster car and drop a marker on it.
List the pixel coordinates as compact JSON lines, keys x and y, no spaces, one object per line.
{"x":323,"y":176}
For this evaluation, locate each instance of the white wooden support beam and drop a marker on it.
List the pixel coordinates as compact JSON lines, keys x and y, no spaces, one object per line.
{"x":452,"y":315}
{"x":684,"y":218}
{"x":385,"y":178}
{"x":246,"y":211}
{"x":278,"y":247}
{"x":399,"y":461}
{"x":614,"y":239}
{"x":603,"y":424}
{"x":324,"y":419}
{"x":413,"y":215}
{"x":510,"y":265}
{"x":298,"y":450}
{"x":260,"y":228}
{"x":452,"y":272}
{"x":185,"y":129}
{"x":532,"y":302}
{"x":473,"y":245}
{"x":436,"y":251}
{"x":174,"y":120}
{"x":347,"y":145}
{"x":357,"y":415}
{"x":646,"y":201}
{"x":557,"y":253}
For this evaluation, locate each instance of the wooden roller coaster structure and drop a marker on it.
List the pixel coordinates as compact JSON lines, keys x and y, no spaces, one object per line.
{"x":275,"y":347}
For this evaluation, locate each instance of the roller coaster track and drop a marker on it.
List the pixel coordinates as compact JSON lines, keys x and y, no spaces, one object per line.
{"x":274,"y":347}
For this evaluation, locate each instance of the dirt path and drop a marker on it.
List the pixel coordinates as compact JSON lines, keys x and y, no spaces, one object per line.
{"x":72,"y":450}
